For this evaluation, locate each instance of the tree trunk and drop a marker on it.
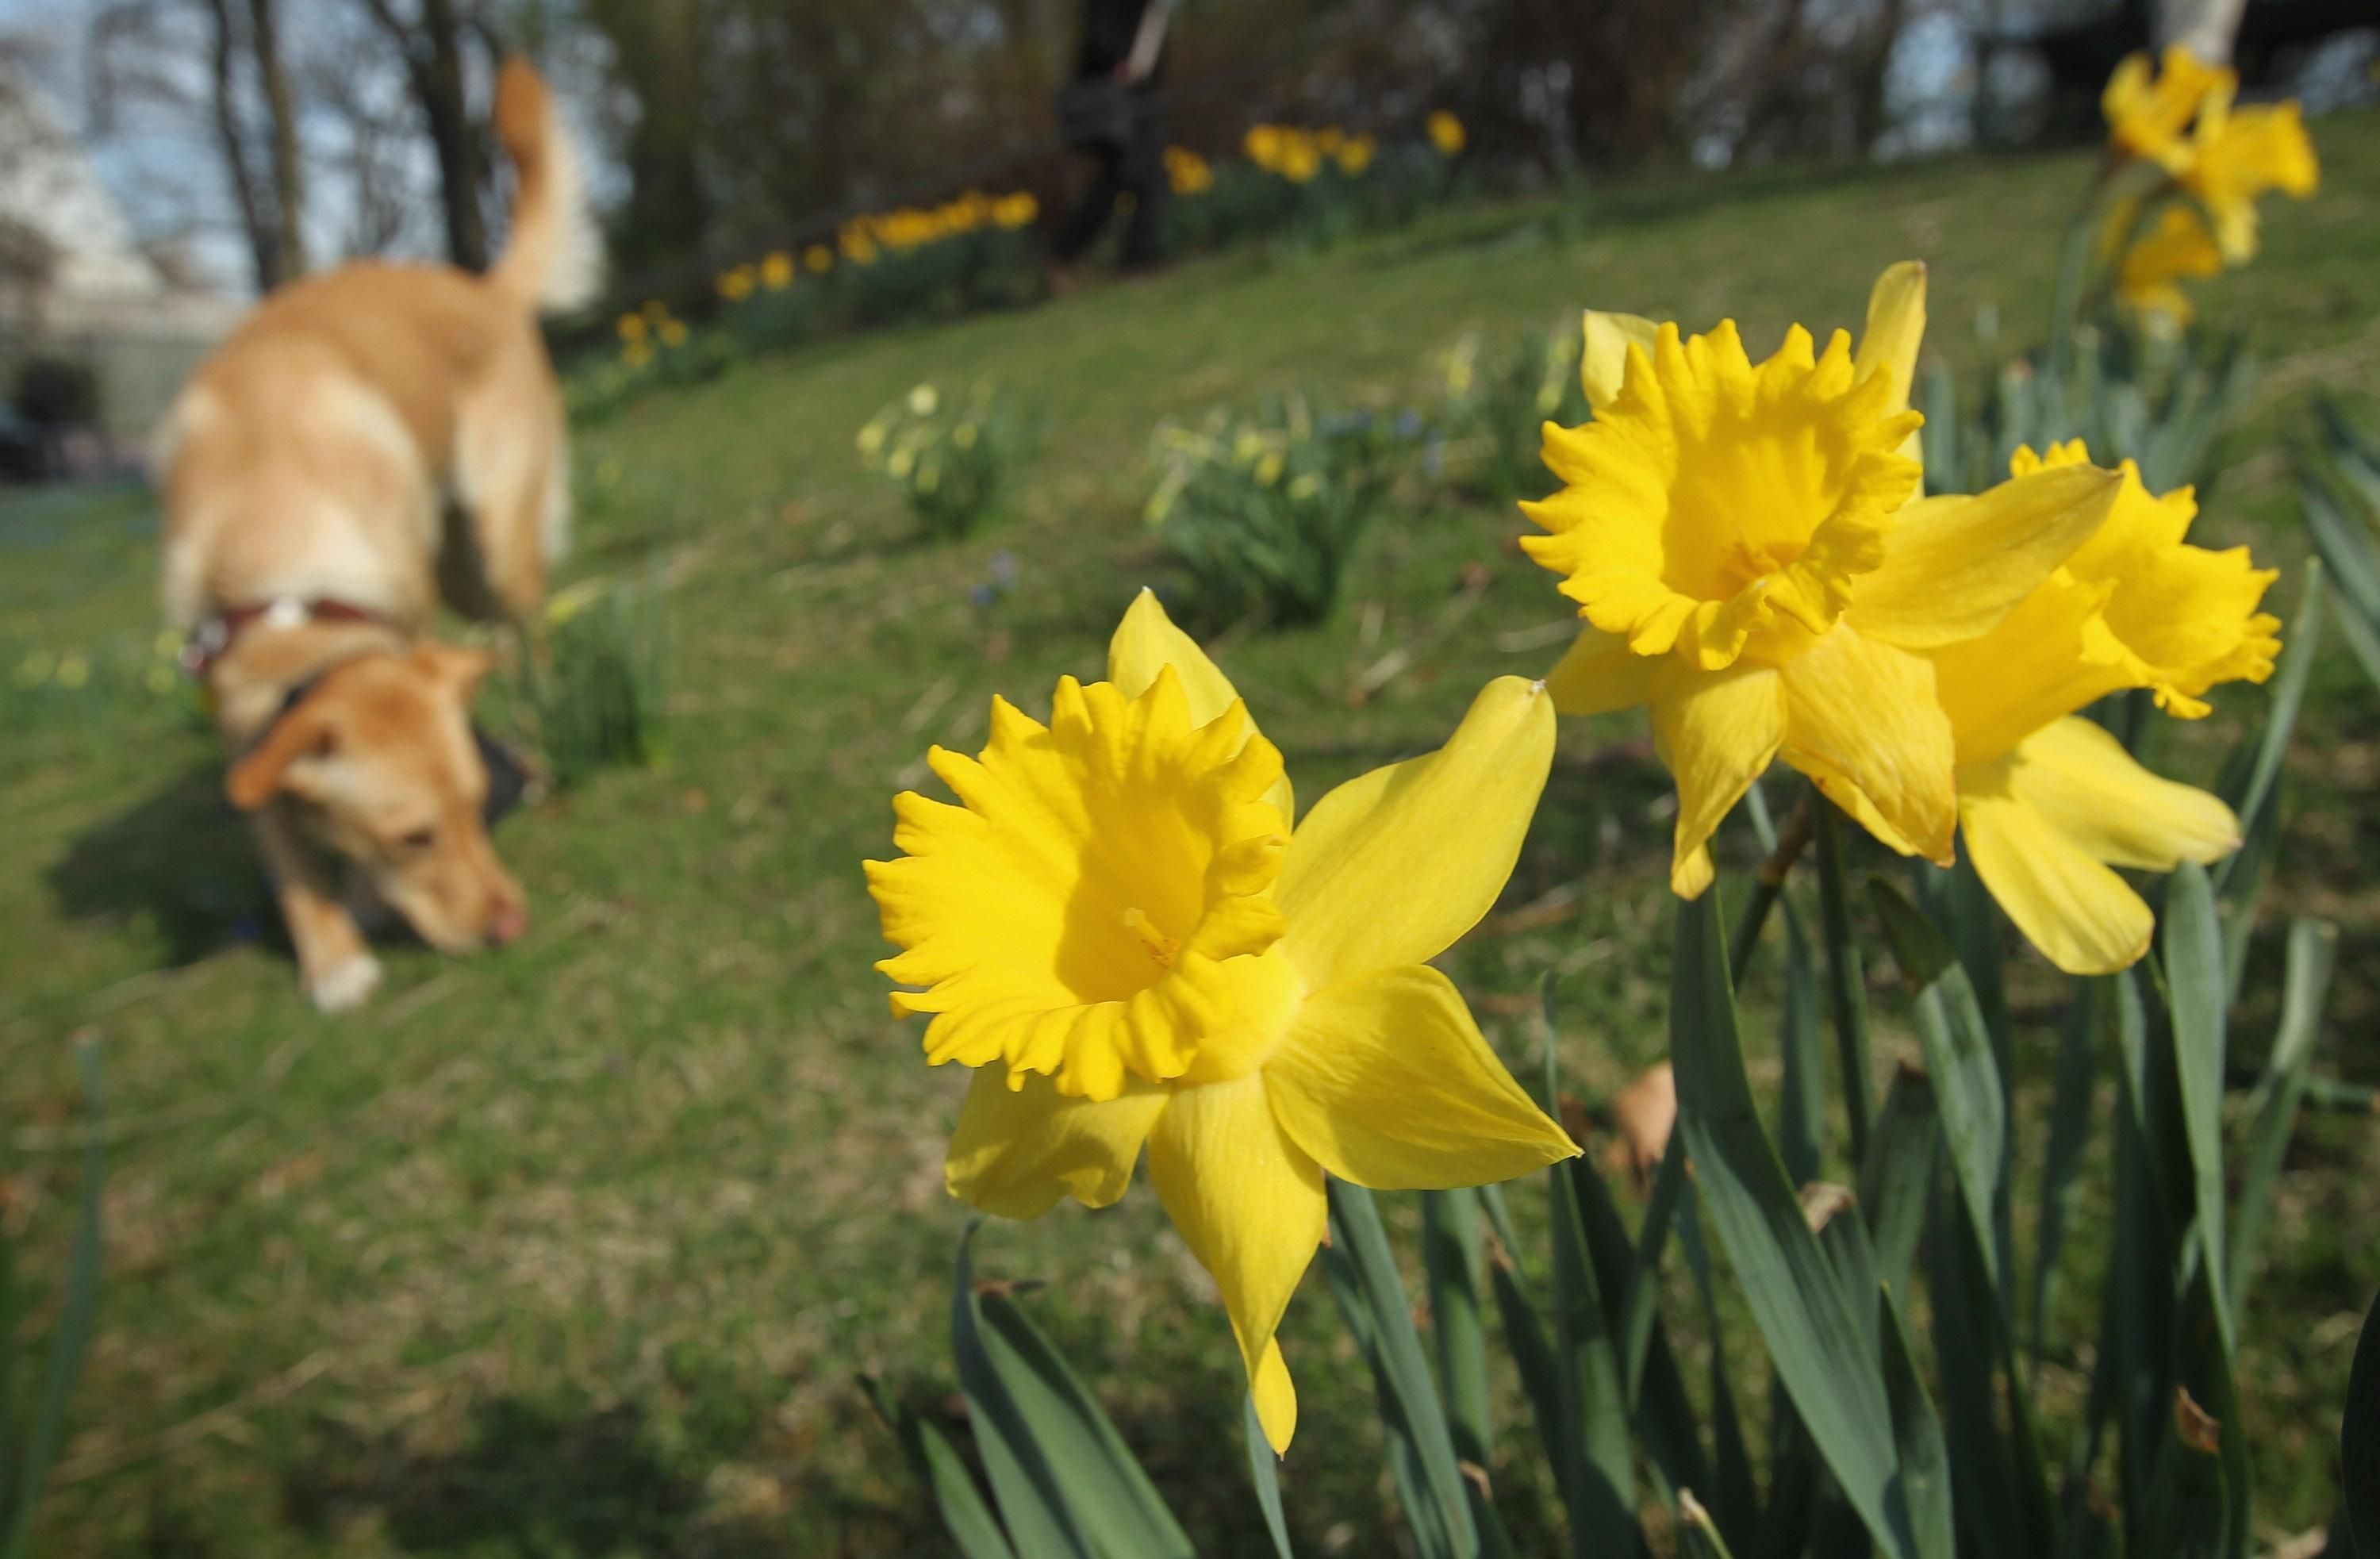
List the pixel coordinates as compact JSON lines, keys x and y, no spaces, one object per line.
{"x":288,"y":172}
{"x":434,"y":67}
{"x":1871,"y":59}
{"x":2206,"y":27}
{"x":256,"y":222}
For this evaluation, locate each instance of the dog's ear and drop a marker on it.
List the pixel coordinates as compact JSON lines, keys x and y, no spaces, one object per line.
{"x":306,"y":733}
{"x":462,"y":670}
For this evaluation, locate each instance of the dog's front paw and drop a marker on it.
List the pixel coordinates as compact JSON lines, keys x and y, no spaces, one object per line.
{"x":346,"y":985}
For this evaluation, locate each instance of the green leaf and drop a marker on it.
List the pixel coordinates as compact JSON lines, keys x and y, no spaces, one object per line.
{"x":1423,"y":1513}
{"x":2359,"y":1439}
{"x":1801,"y":1116}
{"x":1264,"y":1470}
{"x":968,"y":1519}
{"x":1924,"y":1460}
{"x":1814,"y":1337}
{"x":2197,"y":994}
{"x":1846,"y":985}
{"x":1900,"y":1168}
{"x":1064,"y":1480}
{"x":69,"y":1334}
{"x":1450,"y":1244}
{"x":2344,"y":545}
{"x":2305,"y":984}
{"x":2070,"y":1137}
{"x":2281,"y":711}
{"x":1600,"y":1489}
{"x":1655,"y":1392}
{"x":1399,"y":1371}
{"x":1959,"y":1058}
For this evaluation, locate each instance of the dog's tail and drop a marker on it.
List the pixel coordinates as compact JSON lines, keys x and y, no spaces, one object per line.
{"x":554,"y":260}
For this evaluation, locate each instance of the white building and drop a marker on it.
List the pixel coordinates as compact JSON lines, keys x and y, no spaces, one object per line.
{"x":74,"y":283}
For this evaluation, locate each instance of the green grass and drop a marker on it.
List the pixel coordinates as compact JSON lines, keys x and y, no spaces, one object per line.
{"x":575,"y":1250}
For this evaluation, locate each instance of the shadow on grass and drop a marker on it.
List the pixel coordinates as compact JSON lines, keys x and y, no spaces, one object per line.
{"x":531,"y":1481}
{"x":179,"y":860}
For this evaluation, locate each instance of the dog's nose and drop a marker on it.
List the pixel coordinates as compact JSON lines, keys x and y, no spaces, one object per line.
{"x":507,"y":924}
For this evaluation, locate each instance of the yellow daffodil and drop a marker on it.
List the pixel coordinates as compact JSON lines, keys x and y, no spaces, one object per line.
{"x":2239,"y":155}
{"x":1187,"y":172}
{"x":1017,"y":209}
{"x":1445,"y":133}
{"x":1117,"y":928}
{"x":1749,"y":551}
{"x":2148,"y":280}
{"x":1301,"y":159}
{"x":2149,"y":115}
{"x":1354,"y":154}
{"x":632,"y":328}
{"x":1263,"y":144}
{"x":777,"y":270}
{"x":672,"y":332}
{"x":736,"y":284}
{"x":856,"y":245}
{"x":2049,"y":802}
{"x":818,"y":260}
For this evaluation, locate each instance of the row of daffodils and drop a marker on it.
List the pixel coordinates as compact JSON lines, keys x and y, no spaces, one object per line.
{"x":1126,"y":929}
{"x":2188,"y":166}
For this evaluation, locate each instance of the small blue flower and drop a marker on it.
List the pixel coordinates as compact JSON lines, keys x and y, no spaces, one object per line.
{"x":1433,"y":457}
{"x":1409,"y":424}
{"x":983,"y":595}
{"x":1003,"y":569}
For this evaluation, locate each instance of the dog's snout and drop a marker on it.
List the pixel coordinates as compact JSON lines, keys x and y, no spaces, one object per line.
{"x":508,"y":921}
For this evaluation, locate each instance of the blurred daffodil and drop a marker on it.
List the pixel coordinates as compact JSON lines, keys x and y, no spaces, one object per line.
{"x":1117,"y":928}
{"x":2149,"y":111}
{"x":2240,"y":155}
{"x":2149,"y":276}
{"x":1445,"y":132}
{"x":2048,"y":801}
{"x":777,"y":270}
{"x":818,"y":260}
{"x":1749,"y":551}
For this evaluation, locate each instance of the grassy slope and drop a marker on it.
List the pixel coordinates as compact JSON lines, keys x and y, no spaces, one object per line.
{"x":575,"y":1250}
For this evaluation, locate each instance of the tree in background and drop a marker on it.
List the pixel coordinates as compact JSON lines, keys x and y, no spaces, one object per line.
{"x":430,"y":40}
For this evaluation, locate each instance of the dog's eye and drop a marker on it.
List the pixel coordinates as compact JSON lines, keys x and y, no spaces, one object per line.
{"x":419,"y":839}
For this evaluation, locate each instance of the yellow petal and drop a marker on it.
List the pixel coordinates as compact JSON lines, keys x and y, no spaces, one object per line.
{"x":2080,"y":780}
{"x":1387,"y":1082}
{"x":1146,"y":641}
{"x":1860,"y":716}
{"x":1954,"y":566}
{"x":1604,"y":364}
{"x":2079,"y":913}
{"x":1017,"y":1151}
{"x":2048,"y":657}
{"x":2180,"y":618}
{"x":1392,"y":866}
{"x":1896,"y":325}
{"x":1276,"y":1400}
{"x":1600,"y":674}
{"x":1248,"y":1202}
{"x":1716,"y":731}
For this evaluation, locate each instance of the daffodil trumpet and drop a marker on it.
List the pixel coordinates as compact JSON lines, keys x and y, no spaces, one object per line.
{"x":1119,"y":930}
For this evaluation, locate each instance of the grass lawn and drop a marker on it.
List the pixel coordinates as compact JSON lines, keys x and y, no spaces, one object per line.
{"x":577,"y":1248}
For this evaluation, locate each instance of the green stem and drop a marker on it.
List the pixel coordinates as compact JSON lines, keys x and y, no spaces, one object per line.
{"x":1846,"y":985}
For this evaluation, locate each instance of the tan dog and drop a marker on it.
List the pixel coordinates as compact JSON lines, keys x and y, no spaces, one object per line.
{"x":369,"y":441}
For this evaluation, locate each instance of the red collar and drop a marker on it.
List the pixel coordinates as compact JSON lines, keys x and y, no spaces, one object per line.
{"x":219,"y":630}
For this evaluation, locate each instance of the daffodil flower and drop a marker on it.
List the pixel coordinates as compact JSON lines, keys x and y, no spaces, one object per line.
{"x":2148,"y":114}
{"x":2149,"y":276}
{"x":2048,"y":801}
{"x":2239,"y":155}
{"x":1117,"y":928}
{"x":1748,"y":549}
